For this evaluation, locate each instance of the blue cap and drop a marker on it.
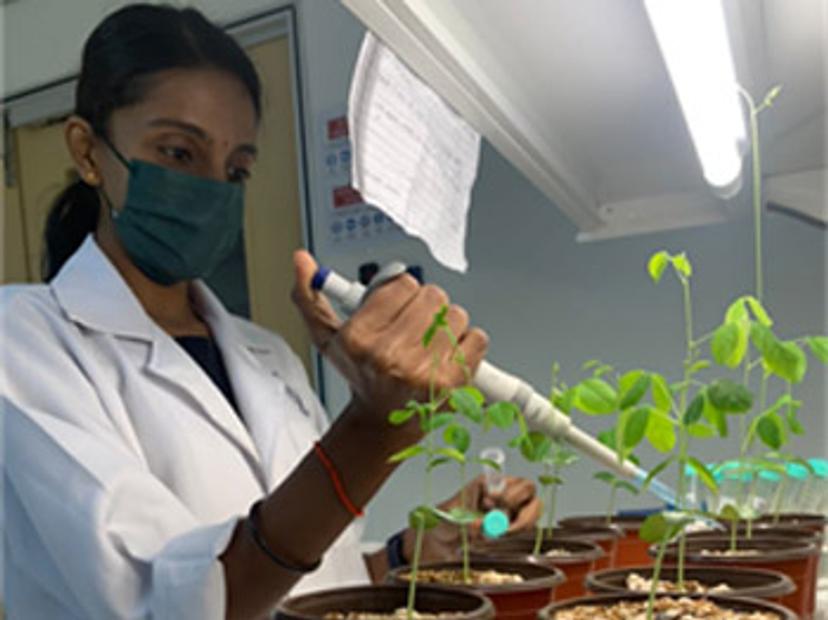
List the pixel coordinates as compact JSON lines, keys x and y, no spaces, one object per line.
{"x":495,"y":524}
{"x":820,"y":467}
{"x":770,"y":476}
{"x":797,"y":471}
{"x":319,"y":278}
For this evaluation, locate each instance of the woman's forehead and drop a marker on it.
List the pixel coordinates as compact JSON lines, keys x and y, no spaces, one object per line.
{"x":210,"y":100}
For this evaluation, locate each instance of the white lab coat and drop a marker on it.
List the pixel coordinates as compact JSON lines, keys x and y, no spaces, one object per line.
{"x":126,"y":468}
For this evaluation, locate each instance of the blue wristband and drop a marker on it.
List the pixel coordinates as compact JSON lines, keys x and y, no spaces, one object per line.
{"x":394,"y":551}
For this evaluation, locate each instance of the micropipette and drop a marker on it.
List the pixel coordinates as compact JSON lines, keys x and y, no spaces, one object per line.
{"x":498,"y":385}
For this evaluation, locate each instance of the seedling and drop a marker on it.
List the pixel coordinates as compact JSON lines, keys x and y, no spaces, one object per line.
{"x":448,"y":411}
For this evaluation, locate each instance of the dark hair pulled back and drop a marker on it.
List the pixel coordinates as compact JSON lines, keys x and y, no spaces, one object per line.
{"x":119,"y":58}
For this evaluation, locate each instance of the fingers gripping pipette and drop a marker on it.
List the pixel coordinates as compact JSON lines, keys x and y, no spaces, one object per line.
{"x":498,"y":385}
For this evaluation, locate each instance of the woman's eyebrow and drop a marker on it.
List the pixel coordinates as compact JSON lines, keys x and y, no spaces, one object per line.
{"x":190,"y":128}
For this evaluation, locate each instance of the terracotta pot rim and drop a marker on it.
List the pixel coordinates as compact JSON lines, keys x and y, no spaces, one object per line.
{"x":553,"y":577}
{"x":297,"y":606}
{"x":778,"y":585}
{"x":740,"y":603}
{"x":782,"y":549}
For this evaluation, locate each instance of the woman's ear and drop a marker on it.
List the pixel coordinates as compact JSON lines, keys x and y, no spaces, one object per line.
{"x":80,"y":140}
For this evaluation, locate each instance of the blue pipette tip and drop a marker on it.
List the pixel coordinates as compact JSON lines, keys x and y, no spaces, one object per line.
{"x":319,"y":278}
{"x":495,"y":524}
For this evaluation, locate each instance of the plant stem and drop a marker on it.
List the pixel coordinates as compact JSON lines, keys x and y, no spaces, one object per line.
{"x":777,"y":499}
{"x":464,"y":531}
{"x":734,"y":525}
{"x":415,"y":564}
{"x":552,"y":494}
{"x":611,"y":507}
{"x":662,"y":548}
{"x":753,"y":114}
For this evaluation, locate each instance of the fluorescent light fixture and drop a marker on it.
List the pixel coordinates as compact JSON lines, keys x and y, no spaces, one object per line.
{"x":693,"y":39}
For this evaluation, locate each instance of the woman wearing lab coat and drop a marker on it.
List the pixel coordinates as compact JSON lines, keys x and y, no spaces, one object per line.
{"x":164,"y":458}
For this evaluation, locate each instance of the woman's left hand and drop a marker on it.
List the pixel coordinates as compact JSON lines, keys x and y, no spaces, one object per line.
{"x":518,"y":500}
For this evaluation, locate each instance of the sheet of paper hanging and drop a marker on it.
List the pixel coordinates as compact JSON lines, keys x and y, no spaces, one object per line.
{"x":413,"y":157}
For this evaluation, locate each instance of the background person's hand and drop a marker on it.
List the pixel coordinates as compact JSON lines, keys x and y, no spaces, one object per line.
{"x":379,"y":349}
{"x":518,"y":500}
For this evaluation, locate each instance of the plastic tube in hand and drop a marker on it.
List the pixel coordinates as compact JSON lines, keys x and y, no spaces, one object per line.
{"x":498,"y":385}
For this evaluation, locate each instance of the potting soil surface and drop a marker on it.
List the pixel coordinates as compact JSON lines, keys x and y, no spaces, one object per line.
{"x":398,"y":614}
{"x":637,"y":583}
{"x":455,"y":577}
{"x":665,"y":609}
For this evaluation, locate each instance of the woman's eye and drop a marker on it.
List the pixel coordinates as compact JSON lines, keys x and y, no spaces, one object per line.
{"x":178,"y":154}
{"x":238,"y":175}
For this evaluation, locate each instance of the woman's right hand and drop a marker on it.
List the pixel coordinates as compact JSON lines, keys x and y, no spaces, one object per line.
{"x":379,"y":349}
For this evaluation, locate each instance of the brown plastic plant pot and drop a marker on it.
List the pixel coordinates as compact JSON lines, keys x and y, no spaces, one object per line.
{"x":767,"y":585}
{"x":466,"y":604}
{"x":607,"y":600}
{"x":630,"y":549}
{"x":797,"y":559}
{"x":605,"y":536}
{"x":814,"y":522}
{"x":576,"y":565}
{"x":514,"y":601}
{"x":763,"y":530}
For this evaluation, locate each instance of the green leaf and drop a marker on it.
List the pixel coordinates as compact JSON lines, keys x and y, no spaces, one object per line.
{"x":700,"y":431}
{"x":792,"y":406}
{"x":468,"y":401}
{"x":654,"y":529}
{"x":773,"y":93}
{"x":698,"y":367}
{"x":632,"y":425}
{"x":438,"y":420}
{"x":682,"y":265}
{"x":660,"y":432}
{"x":587,"y":365}
{"x":604,"y":476}
{"x":602,"y":370}
{"x":437,"y":322}
{"x":451,"y":453}
{"x":629,"y":487}
{"x":736,"y":312}
{"x":758,"y":310}
{"x":662,"y":396}
{"x":784,"y":359}
{"x":657,"y":264}
{"x":423,"y":516}
{"x":502,"y":414}
{"x":565,"y":400}
{"x":457,"y":436}
{"x":730,"y":343}
{"x":694,"y":411}
{"x":549,"y":480}
{"x":535,"y":446}
{"x":730,"y":513}
{"x":771,"y":430}
{"x":596,"y":397}
{"x":406,"y":453}
{"x":401,"y":416}
{"x":819,"y":347}
{"x":704,"y":474}
{"x":655,"y":471}
{"x":715,"y":416}
{"x":489,"y":463}
{"x":457,"y":516}
{"x":436,"y":462}
{"x":607,"y":438}
{"x":632,"y":387}
{"x":730,"y":397}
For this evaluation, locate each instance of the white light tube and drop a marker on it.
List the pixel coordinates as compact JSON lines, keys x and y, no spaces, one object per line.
{"x":692,"y":35}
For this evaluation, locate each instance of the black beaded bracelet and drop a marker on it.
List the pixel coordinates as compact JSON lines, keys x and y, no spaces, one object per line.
{"x":255,"y":534}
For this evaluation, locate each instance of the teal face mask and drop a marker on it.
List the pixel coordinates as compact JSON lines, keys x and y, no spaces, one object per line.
{"x":176,"y":226}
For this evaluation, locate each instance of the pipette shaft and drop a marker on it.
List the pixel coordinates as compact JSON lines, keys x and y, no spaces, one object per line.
{"x":498,"y":385}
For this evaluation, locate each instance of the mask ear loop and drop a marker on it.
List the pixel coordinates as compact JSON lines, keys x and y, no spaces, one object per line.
{"x":113,"y":212}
